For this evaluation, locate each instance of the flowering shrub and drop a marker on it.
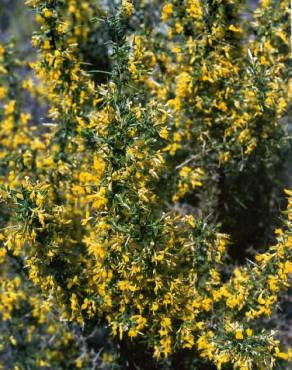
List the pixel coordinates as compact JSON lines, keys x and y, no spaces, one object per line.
{"x":118,"y":211}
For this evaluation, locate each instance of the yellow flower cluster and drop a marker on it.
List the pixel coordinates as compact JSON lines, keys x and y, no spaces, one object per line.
{"x":95,"y":201}
{"x":127,"y":7}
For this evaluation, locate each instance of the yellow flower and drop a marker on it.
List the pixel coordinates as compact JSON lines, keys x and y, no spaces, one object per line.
{"x":222,"y":358}
{"x":224,"y":157}
{"x":191,"y":220}
{"x":249,"y":332}
{"x":2,"y":51}
{"x":244,"y":135}
{"x":185,"y":171}
{"x":12,"y":340}
{"x":239,"y":334}
{"x":3,"y":92}
{"x":288,"y":267}
{"x":167,"y":11}
{"x":79,"y":363}
{"x":195,"y":9}
{"x":47,"y":45}
{"x":183,"y":85}
{"x":126,"y":285}
{"x":127,"y":7}
{"x":166,"y":345}
{"x":10,"y":107}
{"x":163,"y":133}
{"x":178,"y":27}
{"x":133,"y":332}
{"x":265,"y":3}
{"x":282,"y":355}
{"x":235,"y":29}
{"x":99,"y":199}
{"x":47,"y":13}
{"x":166,"y":322}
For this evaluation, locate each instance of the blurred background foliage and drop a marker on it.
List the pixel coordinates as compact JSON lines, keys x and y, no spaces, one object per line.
{"x":17,"y":22}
